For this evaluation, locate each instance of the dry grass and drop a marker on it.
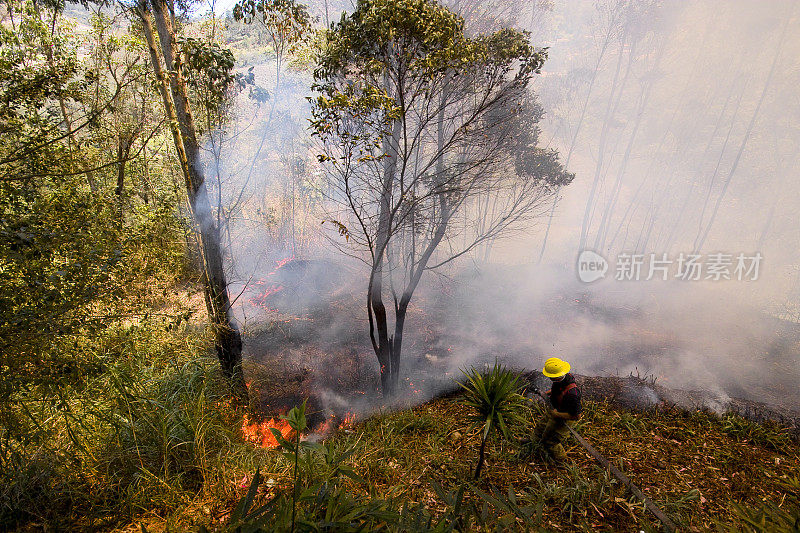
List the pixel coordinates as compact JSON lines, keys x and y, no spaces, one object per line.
{"x":693,"y":465}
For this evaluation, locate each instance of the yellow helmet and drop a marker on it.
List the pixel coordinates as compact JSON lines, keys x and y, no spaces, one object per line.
{"x":555,"y":367}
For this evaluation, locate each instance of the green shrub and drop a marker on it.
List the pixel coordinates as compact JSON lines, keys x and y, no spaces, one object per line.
{"x":496,"y":400}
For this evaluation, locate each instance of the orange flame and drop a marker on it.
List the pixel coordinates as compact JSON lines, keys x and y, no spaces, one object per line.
{"x":282,"y":263}
{"x":327,"y":427}
{"x":270,"y":287}
{"x":260,"y":434}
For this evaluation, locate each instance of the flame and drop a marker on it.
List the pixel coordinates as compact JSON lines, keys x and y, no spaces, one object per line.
{"x":260,"y":300}
{"x":327,"y":427}
{"x":259,"y":433}
{"x":282,"y":263}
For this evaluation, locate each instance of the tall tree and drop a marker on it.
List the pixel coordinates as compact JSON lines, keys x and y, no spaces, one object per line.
{"x":417,"y":122}
{"x":701,"y":239}
{"x":174,"y":92}
{"x":609,"y":23}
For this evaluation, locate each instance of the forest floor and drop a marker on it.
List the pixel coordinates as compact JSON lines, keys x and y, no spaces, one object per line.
{"x":695,"y":465}
{"x":705,"y":471}
{"x":162,"y":450}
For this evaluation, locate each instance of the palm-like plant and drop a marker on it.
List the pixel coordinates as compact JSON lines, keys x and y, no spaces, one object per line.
{"x":497,"y":400}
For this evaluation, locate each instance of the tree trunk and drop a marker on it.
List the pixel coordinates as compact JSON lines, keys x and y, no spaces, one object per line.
{"x":375,"y":306}
{"x":574,"y":140}
{"x":699,"y":243}
{"x":228,"y":341}
{"x":124,"y":143}
{"x":698,"y":174}
{"x":602,"y":231}
{"x":397,"y":340}
{"x":601,"y":148}
{"x":632,"y":204}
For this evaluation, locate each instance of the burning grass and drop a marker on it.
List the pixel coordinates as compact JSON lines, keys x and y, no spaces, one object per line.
{"x":260,"y":432}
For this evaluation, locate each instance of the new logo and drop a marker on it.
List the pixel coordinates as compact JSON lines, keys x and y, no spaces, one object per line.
{"x":591,"y":266}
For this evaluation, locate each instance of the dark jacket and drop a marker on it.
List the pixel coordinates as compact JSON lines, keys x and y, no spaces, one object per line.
{"x":566,"y":402}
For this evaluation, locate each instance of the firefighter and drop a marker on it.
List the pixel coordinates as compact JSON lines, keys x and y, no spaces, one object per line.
{"x":565,"y":400}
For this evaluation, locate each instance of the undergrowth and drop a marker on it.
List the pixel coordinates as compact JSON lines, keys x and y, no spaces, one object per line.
{"x":411,"y":470}
{"x":151,"y":441}
{"x":151,"y":433}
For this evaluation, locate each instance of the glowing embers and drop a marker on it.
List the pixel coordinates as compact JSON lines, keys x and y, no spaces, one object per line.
{"x":270,"y":288}
{"x":259,"y":433}
{"x":348,"y":419}
{"x":331,"y":424}
{"x":260,"y":300}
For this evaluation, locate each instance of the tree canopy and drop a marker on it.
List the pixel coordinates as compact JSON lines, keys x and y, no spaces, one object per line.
{"x":420,"y":124}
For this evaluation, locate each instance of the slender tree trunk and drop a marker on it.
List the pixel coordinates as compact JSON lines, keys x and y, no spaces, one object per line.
{"x":124,"y":143}
{"x":375,"y":307}
{"x":710,"y":188}
{"x":602,"y":231}
{"x":602,"y":146}
{"x":397,"y":341}
{"x":574,"y":140}
{"x":695,"y":181}
{"x":228,"y":340}
{"x":699,"y":243}
{"x":630,"y":210}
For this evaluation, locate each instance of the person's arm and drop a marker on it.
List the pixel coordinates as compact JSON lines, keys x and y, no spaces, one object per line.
{"x":571,"y":406}
{"x":565,"y":416}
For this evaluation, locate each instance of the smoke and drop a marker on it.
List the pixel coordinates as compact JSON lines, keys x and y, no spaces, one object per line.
{"x":680,"y":122}
{"x":684,"y":336}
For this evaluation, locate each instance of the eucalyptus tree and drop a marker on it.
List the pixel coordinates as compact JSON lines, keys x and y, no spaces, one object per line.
{"x":415,"y":121}
{"x":609,"y":22}
{"x":170,"y":61}
{"x":703,"y":234}
{"x":638,"y":20}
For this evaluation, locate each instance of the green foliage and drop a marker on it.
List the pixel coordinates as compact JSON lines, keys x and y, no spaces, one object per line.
{"x":208,"y":69}
{"x":420,"y":37}
{"x":148,"y":432}
{"x":37,"y":67}
{"x":495,"y":398}
{"x":106,"y":406}
{"x":73,"y":237}
{"x":286,"y":21}
{"x":496,"y":401}
{"x":65,"y":265}
{"x":529,"y":158}
{"x":329,"y":506}
{"x":768,"y":434}
{"x":777,"y":517}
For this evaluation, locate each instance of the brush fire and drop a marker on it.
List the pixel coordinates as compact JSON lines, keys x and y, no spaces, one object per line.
{"x":260,"y":434}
